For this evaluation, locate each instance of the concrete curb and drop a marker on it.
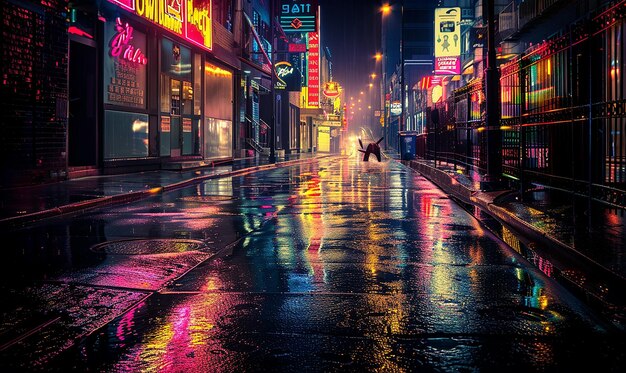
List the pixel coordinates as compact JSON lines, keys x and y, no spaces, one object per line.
{"x":598,"y":275}
{"x":79,"y":207}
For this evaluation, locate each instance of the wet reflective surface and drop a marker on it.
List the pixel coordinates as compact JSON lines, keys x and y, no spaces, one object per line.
{"x":336,"y":265}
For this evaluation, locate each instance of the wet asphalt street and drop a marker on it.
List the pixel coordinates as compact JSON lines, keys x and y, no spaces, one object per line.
{"x":339,"y":265}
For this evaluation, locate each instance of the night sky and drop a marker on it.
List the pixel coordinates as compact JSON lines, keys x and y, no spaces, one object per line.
{"x":351,"y":29}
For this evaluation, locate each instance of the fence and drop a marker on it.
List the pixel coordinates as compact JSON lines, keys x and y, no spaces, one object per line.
{"x":563,"y":113}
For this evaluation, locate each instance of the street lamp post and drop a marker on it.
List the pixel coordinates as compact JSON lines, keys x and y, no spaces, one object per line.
{"x":401,"y":125}
{"x":386,"y":9}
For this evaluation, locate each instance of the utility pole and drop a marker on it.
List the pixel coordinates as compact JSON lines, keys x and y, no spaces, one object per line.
{"x":492,"y":97}
{"x":272,"y":157}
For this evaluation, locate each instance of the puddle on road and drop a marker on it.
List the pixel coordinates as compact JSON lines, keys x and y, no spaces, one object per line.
{"x":147,"y":246}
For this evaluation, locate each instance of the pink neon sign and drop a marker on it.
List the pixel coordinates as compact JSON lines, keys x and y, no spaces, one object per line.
{"x":120,"y":46}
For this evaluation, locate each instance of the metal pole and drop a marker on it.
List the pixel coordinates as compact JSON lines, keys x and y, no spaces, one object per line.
{"x":494,"y":141}
{"x":272,"y":157}
{"x":401,"y":125}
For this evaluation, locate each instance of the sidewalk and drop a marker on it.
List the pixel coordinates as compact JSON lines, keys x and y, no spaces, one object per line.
{"x":23,"y":205}
{"x":550,"y":229}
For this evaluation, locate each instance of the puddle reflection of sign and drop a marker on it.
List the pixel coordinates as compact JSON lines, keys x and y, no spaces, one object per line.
{"x":165,"y":124}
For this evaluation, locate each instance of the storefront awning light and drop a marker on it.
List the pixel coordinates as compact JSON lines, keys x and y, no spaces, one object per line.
{"x":216,"y":70}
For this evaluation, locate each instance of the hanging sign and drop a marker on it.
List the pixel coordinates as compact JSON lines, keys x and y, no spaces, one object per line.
{"x":288,"y":77}
{"x":331,"y":89}
{"x":298,"y":15}
{"x":447,"y":41}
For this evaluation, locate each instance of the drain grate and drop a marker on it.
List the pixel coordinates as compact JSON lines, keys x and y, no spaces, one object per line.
{"x":147,"y":246}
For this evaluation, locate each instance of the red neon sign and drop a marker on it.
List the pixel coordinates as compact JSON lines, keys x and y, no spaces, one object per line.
{"x":120,"y":46}
{"x":314,"y":69}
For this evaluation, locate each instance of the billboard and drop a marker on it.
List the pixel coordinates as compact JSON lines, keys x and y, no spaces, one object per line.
{"x":447,"y":41}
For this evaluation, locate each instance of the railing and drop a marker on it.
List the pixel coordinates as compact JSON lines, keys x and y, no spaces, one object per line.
{"x":254,"y":145}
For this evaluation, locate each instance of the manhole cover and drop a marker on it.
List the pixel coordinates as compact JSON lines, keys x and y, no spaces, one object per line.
{"x":206,"y":199}
{"x":144,"y":247}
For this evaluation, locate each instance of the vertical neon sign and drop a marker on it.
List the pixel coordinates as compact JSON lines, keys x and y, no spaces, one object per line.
{"x":314,"y":70}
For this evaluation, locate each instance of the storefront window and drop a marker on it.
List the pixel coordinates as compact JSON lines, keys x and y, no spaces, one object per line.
{"x":175,"y":60}
{"x":165,"y":94}
{"x":218,"y":138}
{"x":125,"y":135}
{"x":187,"y":98}
{"x":218,"y":109}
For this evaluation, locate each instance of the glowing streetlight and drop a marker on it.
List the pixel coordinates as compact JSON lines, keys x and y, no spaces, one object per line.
{"x":362,"y":92}
{"x":378,"y":56}
{"x":386,"y":9}
{"x":373,"y":76}
{"x":371,"y":85}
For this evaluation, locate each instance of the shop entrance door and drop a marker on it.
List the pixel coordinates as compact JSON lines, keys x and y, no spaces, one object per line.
{"x":175,"y":139}
{"x":82,"y":131}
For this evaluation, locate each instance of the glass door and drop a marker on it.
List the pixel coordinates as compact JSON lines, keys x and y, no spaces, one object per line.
{"x":175,"y":112}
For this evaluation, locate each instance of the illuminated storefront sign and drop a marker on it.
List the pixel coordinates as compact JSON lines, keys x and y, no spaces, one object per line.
{"x":298,"y":15}
{"x":185,"y":18}
{"x":314,"y":70}
{"x":331,"y":89}
{"x":120,"y":44}
{"x":297,"y":47}
{"x":396,"y":108}
{"x":125,"y":67}
{"x":288,"y":77}
{"x":447,"y":41}
{"x":198,"y":28}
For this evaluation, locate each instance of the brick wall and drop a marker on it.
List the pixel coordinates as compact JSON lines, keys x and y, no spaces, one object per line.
{"x":34,"y":49}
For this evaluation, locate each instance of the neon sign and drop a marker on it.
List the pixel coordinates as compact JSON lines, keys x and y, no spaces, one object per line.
{"x":331,"y":89}
{"x":198,"y":27}
{"x":314,"y":70}
{"x":181,"y":17}
{"x":298,"y":15}
{"x":121,"y":47}
{"x":288,"y":77}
